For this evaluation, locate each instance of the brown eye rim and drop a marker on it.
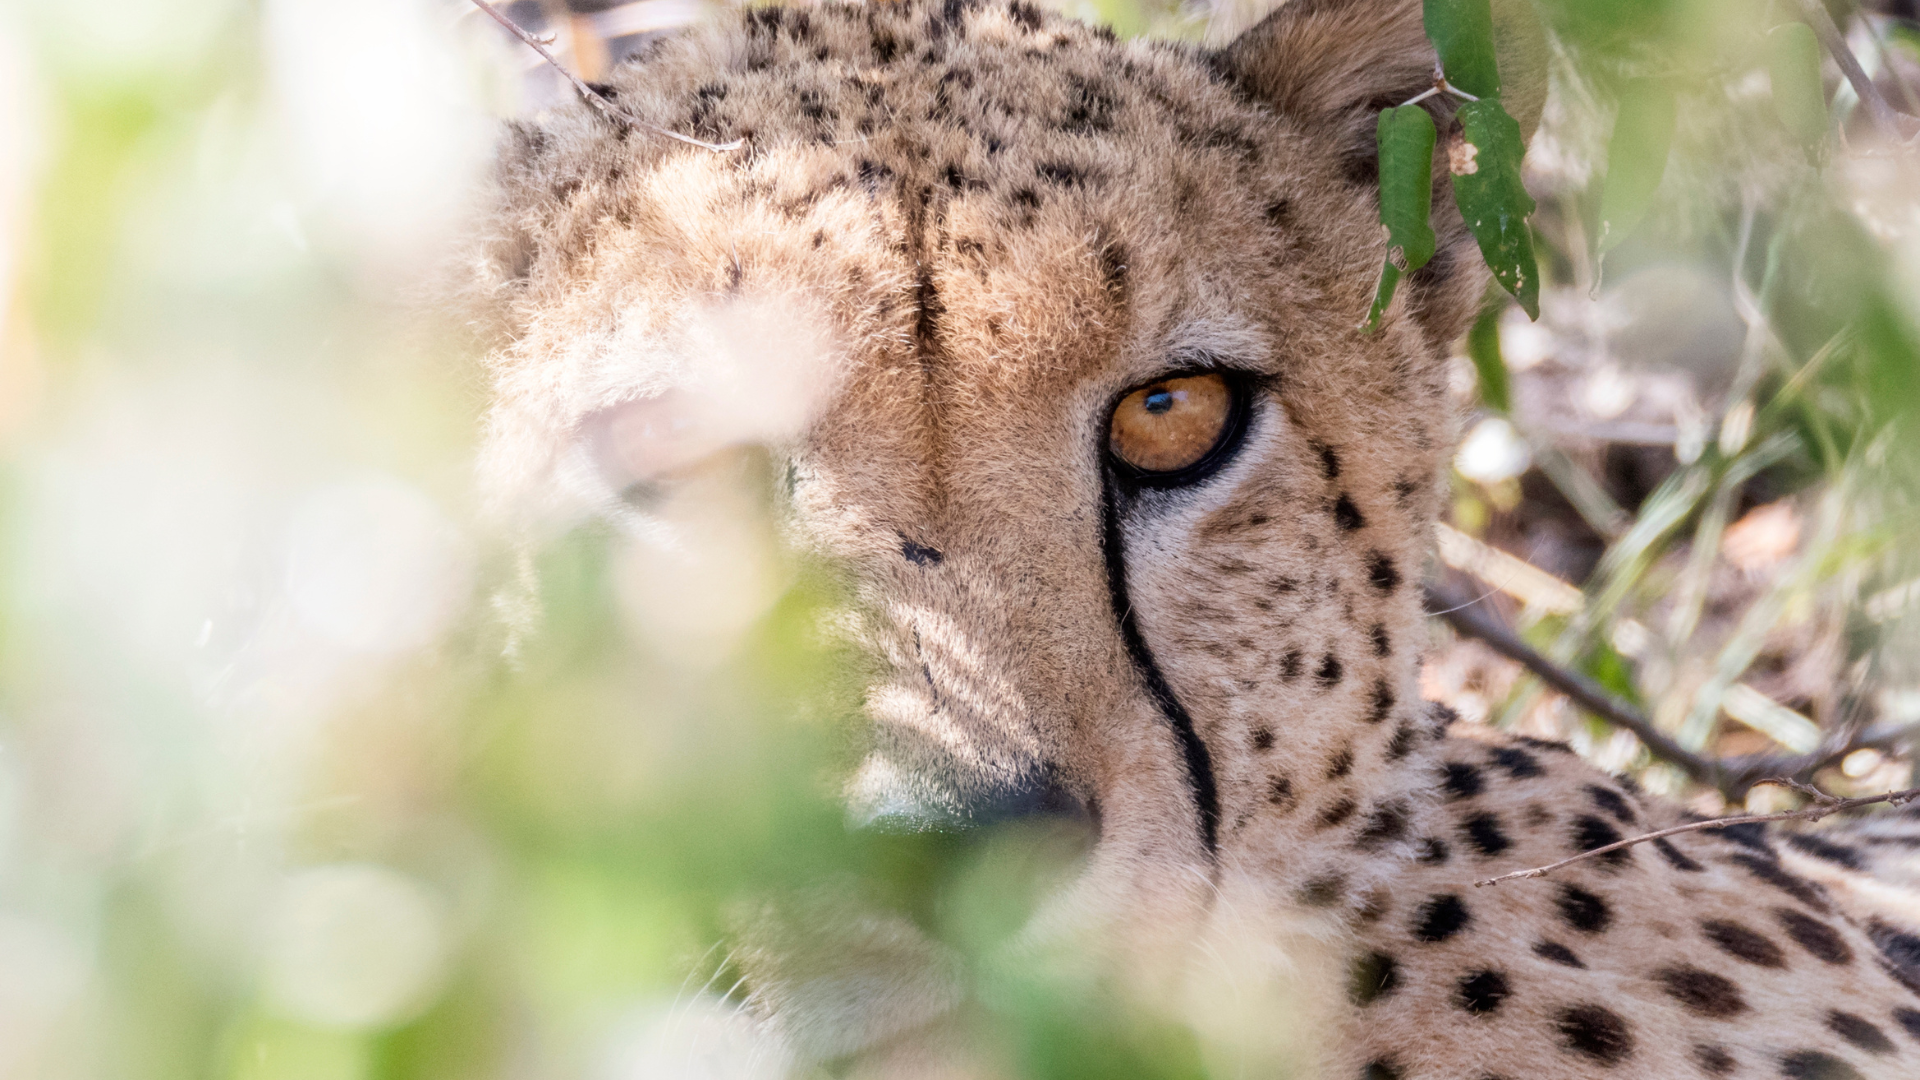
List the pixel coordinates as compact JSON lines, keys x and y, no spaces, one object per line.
{"x":1240,"y":387}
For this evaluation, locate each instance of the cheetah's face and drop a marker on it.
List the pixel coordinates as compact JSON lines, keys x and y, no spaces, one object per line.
{"x":1135,"y":510}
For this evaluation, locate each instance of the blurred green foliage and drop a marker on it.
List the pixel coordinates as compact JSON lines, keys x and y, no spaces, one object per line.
{"x":202,"y":339}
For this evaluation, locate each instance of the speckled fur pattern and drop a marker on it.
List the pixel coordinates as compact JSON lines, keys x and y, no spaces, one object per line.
{"x":993,"y":222}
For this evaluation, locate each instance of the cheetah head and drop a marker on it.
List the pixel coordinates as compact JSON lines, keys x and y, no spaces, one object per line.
{"x":1058,"y":334}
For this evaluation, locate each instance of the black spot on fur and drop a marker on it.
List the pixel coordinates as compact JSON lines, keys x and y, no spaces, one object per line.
{"x":1713,"y":1060}
{"x":1290,"y":665}
{"x":1484,"y":833}
{"x":1026,"y":198}
{"x":873,"y":174}
{"x":1440,"y":917}
{"x":1821,"y":848}
{"x":1462,"y":781}
{"x":1382,"y":645}
{"x":1909,"y":1021}
{"x":1090,"y":108}
{"x":1440,"y":718}
{"x":1859,"y":1031}
{"x":1769,"y":871}
{"x":1583,"y":910}
{"x":1113,"y":268}
{"x":1025,"y":15}
{"x":1901,"y":950}
{"x":1061,"y":174}
{"x":1753,"y":835}
{"x":953,"y":12}
{"x":1814,"y":1065}
{"x":1346,"y":515}
{"x":1519,"y":764}
{"x":1433,"y":851}
{"x":1381,"y":571}
{"x":1819,"y":939}
{"x":1595,"y":1032}
{"x":1340,"y":811}
{"x":1557,"y":953}
{"x":1590,"y":832}
{"x":1278,"y":212}
{"x":1329,"y":460}
{"x":921,"y":554}
{"x":1280,"y":792}
{"x":1554,"y":747}
{"x":1402,"y":742}
{"x":1263,"y":739}
{"x":1372,"y":977}
{"x":1329,"y":673}
{"x":1613,"y":803}
{"x":1387,"y":823}
{"x":1702,"y":992}
{"x":1341,"y":765}
{"x":1383,"y":701}
{"x":1380,"y":1070}
{"x":1675,"y":856}
{"x":1324,"y":891}
{"x":1482,"y":992}
{"x":1743,"y":943}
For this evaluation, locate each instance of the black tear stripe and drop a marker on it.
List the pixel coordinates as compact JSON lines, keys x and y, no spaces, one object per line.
{"x":1206,"y":795}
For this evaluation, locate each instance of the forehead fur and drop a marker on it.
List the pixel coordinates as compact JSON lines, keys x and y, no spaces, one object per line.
{"x":976,"y":199}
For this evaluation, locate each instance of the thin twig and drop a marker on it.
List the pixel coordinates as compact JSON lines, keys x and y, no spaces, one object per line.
{"x":1474,"y":621}
{"x":1823,"y":805}
{"x":595,"y":97}
{"x":1870,"y":96}
{"x":1734,"y":777}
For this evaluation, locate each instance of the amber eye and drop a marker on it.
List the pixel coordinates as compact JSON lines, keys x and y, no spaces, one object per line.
{"x":1169,"y":425}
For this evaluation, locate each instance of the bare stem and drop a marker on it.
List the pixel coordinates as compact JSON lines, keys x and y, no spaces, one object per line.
{"x":1836,"y":43}
{"x":1733,"y":777}
{"x":1823,"y":805}
{"x":595,"y":97}
{"x":1473,"y":621}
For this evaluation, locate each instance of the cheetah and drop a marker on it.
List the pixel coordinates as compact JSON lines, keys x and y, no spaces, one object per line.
{"x":1057,"y":336}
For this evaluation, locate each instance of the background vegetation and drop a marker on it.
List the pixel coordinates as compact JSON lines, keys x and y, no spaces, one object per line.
{"x":302,"y":777}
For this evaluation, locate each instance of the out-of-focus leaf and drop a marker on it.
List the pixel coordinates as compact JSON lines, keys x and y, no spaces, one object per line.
{"x":1462,"y":33}
{"x":1406,"y":136}
{"x":1636,"y":157}
{"x":1483,"y":348}
{"x":1793,"y":63}
{"x":1607,"y":667}
{"x":1485,"y":163}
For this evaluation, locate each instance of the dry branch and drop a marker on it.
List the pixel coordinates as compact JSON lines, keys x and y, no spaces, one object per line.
{"x":1876,"y":104}
{"x":1733,"y":777}
{"x":1823,"y":805}
{"x":594,"y":97}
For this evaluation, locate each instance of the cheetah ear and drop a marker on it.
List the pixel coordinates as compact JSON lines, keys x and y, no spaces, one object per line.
{"x":1337,"y":63}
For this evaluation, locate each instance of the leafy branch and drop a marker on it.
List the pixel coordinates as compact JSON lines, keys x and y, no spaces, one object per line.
{"x":1822,"y":805}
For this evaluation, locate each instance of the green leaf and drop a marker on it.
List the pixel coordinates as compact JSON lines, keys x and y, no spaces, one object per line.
{"x":1462,"y":33}
{"x":1406,"y":136}
{"x":1800,"y":99}
{"x":1485,"y":163}
{"x":1483,"y":348}
{"x":1636,"y":158}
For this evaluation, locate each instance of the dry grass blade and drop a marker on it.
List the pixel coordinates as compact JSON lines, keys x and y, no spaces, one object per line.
{"x":1824,"y":805}
{"x":594,"y":97}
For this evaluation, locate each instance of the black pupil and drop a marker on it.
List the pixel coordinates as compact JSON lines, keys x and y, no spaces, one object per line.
{"x":1159,"y":401}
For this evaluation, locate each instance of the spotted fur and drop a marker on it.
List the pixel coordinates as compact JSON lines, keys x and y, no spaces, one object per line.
{"x":957,"y":232}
